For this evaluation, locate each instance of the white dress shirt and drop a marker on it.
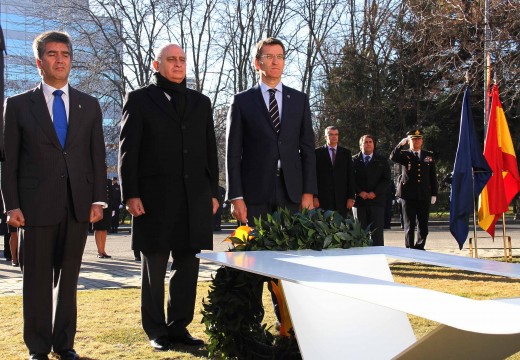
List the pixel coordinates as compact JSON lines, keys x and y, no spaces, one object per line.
{"x":49,"y":97}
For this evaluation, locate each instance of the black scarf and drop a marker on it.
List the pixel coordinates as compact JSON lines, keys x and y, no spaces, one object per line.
{"x":177,"y":91}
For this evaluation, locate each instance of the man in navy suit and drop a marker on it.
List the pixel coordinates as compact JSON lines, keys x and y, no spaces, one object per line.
{"x":54,"y":184}
{"x":335,"y":176}
{"x":270,"y":142}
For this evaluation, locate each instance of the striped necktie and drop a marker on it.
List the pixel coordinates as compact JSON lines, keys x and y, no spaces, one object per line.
{"x":273,"y":110}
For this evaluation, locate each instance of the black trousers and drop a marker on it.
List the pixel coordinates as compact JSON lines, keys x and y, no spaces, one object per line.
{"x":279,"y":198}
{"x":415,"y":212}
{"x":375,"y":217}
{"x":50,"y":259}
{"x":182,"y":291}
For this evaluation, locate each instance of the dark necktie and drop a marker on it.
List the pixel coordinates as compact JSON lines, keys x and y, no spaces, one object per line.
{"x":367,"y":160}
{"x":59,"y":117}
{"x":273,"y":110}
{"x":416,"y":154}
{"x":333,"y":152}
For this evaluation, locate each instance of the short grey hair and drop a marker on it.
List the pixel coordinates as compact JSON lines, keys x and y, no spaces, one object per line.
{"x":329,"y":128}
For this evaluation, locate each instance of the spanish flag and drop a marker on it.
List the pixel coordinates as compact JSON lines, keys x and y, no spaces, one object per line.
{"x":504,"y":184}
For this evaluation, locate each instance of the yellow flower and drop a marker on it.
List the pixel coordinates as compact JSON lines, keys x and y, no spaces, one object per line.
{"x":241,"y":233}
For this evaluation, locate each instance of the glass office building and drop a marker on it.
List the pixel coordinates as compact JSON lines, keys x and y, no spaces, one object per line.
{"x":22,"y":21}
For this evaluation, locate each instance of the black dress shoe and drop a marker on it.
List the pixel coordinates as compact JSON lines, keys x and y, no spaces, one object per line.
{"x":38,"y":357}
{"x":68,"y":355}
{"x":161,"y":344}
{"x":186,"y":339}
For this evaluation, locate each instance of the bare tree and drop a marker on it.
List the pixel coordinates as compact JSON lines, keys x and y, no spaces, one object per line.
{"x":120,"y":37}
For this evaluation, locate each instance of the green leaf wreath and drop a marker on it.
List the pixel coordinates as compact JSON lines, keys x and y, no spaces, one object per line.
{"x":233,"y":310}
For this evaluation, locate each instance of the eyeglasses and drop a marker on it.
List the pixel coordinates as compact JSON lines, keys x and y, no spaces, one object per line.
{"x":271,"y":57}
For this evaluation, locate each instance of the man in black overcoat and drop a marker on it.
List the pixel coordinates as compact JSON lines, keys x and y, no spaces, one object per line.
{"x":335,"y":175}
{"x":169,"y":182}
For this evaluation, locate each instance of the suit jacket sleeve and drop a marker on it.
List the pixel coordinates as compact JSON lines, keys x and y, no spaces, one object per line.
{"x":10,"y":169}
{"x":234,"y":134}
{"x":2,"y":152}
{"x":212,"y":157}
{"x":351,"y":186}
{"x":129,"y":147}
{"x":308,"y":154}
{"x":98,"y":157}
{"x":397,"y":156}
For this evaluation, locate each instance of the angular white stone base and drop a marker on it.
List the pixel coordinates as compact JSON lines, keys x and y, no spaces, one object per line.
{"x":345,"y":305}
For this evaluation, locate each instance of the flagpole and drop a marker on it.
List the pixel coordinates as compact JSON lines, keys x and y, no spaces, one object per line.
{"x":504,"y":235}
{"x":474,"y":214}
{"x":487,"y":64}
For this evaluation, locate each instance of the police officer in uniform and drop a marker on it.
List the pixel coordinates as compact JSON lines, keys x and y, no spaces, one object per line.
{"x":417,"y":187}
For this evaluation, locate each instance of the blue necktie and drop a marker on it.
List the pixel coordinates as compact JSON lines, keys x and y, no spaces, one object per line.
{"x":367,"y":160}
{"x":59,"y":117}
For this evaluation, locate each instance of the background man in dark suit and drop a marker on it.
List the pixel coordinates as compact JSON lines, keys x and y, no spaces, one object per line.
{"x":372,"y":180}
{"x":270,"y":142}
{"x":335,"y":175}
{"x":169,"y":181}
{"x":417,"y":187}
{"x":53,"y":183}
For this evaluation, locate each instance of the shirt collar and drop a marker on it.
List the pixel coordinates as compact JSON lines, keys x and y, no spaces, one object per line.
{"x":48,"y":90}
{"x":265,"y":88}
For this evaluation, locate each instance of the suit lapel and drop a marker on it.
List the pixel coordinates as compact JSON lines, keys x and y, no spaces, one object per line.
{"x":75,"y":114}
{"x":286,"y":106}
{"x":259,"y":101}
{"x":40,"y":112}
{"x":162,"y":101}
{"x":326,"y":155}
{"x":190,"y":104}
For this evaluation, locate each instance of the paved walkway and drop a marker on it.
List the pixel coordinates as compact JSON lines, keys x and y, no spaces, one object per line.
{"x":122,"y":271}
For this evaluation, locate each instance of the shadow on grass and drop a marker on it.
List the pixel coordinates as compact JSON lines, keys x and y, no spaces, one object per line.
{"x":432,"y":272}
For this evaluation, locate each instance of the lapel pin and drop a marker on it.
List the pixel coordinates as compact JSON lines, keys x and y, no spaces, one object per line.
{"x":79,"y":106}
{"x":288,"y":96}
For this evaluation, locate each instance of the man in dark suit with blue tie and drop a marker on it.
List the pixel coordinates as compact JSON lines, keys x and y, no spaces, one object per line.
{"x":53,"y":183}
{"x":372,"y":180}
{"x":270,"y":142}
{"x":334,"y":173}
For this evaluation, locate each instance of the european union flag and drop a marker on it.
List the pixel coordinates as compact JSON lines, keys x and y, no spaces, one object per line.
{"x":466,"y":184}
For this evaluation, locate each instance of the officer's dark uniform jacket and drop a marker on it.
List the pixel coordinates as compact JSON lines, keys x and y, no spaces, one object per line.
{"x":418,"y":176}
